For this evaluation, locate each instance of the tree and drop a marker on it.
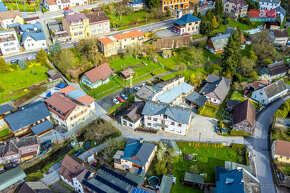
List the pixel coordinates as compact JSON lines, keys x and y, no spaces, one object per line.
{"x":168,"y":13}
{"x":88,"y":50}
{"x":55,"y":48}
{"x":253,"y":4}
{"x":205,"y":27}
{"x":265,"y":77}
{"x":214,"y":23}
{"x":247,"y":65}
{"x":162,"y":148}
{"x":153,"y":3}
{"x":219,"y":8}
{"x":253,"y":75}
{"x":253,"y":56}
{"x":64,"y":60}
{"x":267,"y":61}
{"x":265,"y":51}
{"x":195,"y":12}
{"x":41,"y":57}
{"x":3,"y":65}
{"x":133,"y":50}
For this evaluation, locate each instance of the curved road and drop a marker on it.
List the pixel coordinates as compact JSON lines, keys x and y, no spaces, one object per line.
{"x":260,"y":143}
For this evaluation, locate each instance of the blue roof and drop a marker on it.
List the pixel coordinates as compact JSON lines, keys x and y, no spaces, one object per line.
{"x":188,"y":18}
{"x":28,"y":115}
{"x":30,"y":27}
{"x":230,"y":181}
{"x":2,"y":7}
{"x":136,"y":2}
{"x":76,"y":94}
{"x":138,"y":190}
{"x":41,"y":127}
{"x":13,"y":24}
{"x":35,"y":36}
{"x":281,"y":10}
{"x":5,"y":108}
{"x":60,"y":85}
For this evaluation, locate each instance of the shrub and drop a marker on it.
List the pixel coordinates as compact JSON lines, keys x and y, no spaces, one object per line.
{"x":267,"y":61}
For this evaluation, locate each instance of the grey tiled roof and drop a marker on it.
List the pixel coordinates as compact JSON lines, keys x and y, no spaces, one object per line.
{"x":178,"y":114}
{"x":134,"y":111}
{"x":275,"y":88}
{"x":10,"y":177}
{"x":196,"y":98}
{"x":5,"y":108}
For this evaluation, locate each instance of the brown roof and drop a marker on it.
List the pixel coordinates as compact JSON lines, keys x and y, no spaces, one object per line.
{"x":127,"y":72}
{"x":280,"y":33}
{"x":244,"y":111}
{"x":277,"y":68}
{"x":130,"y":34}
{"x":282,"y":148}
{"x":96,"y":17}
{"x":34,"y":187}
{"x":259,"y":84}
{"x":86,"y":99}
{"x":67,"y":89}
{"x":51,"y":2}
{"x":105,"y":40}
{"x":238,"y":2}
{"x":134,"y":112}
{"x":75,"y":18}
{"x":9,"y":14}
{"x":31,"y":18}
{"x":101,"y":72}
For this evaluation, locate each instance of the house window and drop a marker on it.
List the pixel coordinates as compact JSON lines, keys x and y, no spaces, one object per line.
{"x":172,"y":123}
{"x":149,"y":118}
{"x":148,"y":124}
{"x":179,"y":125}
{"x":75,"y":116}
{"x":70,"y":118}
{"x":130,"y":125}
{"x":154,"y":119}
{"x":163,"y":122}
{"x":165,"y":116}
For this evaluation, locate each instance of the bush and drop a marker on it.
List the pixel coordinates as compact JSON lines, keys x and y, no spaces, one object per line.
{"x":237,"y":78}
{"x":267,"y":61}
{"x":236,"y":146}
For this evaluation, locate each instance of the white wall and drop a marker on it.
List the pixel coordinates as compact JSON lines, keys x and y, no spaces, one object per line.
{"x":9,"y":47}
{"x":264,"y":5}
{"x":31,"y":44}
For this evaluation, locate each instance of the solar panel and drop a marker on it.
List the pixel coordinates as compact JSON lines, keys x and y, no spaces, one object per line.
{"x":89,"y":185}
{"x":106,"y":182}
{"x":76,"y":94}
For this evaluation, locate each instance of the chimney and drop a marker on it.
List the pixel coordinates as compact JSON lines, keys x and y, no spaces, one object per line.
{"x":141,"y":140}
{"x":35,"y":29}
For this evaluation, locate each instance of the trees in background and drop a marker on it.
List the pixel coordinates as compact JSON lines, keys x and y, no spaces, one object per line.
{"x":253,"y":4}
{"x":219,"y":9}
{"x":55,"y":48}
{"x":41,"y":57}
{"x":247,"y":64}
{"x":133,"y":50}
{"x":263,"y":50}
{"x":153,"y":3}
{"x":88,"y":50}
{"x":3,"y":65}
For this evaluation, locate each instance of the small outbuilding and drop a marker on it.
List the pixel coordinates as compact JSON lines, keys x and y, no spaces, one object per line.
{"x":166,"y":53}
{"x":195,"y":180}
{"x":53,"y":74}
{"x":127,"y":73}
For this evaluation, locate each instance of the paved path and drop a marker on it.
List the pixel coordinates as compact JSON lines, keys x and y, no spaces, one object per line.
{"x":260,"y":142}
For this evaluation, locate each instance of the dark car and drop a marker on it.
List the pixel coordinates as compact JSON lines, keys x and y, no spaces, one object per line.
{"x":14,"y":61}
{"x":47,"y":146}
{"x":88,"y":144}
{"x":78,"y":152}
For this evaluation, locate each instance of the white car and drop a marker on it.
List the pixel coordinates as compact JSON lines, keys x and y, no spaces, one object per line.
{"x":116,"y":101}
{"x":137,"y":88}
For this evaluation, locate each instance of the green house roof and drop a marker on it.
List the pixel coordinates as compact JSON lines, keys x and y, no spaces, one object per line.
{"x":195,"y":178}
{"x":10,"y":177}
{"x":166,"y":184}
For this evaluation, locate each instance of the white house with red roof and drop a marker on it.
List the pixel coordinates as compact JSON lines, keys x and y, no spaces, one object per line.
{"x":69,"y":107}
{"x":97,"y":76}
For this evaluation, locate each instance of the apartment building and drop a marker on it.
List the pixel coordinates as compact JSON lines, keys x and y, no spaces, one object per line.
{"x":174,"y":4}
{"x":77,"y":25}
{"x":8,"y":42}
{"x":55,"y":5}
{"x":10,"y":17}
{"x":99,"y":23}
{"x":269,"y":4}
{"x":187,"y":24}
{"x":236,"y":8}
{"x":115,"y":44}
{"x":168,"y":118}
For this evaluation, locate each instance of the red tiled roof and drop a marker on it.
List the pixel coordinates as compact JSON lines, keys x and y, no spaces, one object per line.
{"x":86,"y":99}
{"x":51,"y":2}
{"x":101,"y":72}
{"x":282,"y":148}
{"x":105,"y":40}
{"x":61,"y":103}
{"x":257,"y":84}
{"x":67,"y":89}
{"x":131,"y":34}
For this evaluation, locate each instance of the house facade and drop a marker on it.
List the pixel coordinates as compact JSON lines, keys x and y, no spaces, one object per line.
{"x":244,"y":116}
{"x":136,"y":157}
{"x":115,"y":44}
{"x":98,"y":76}
{"x":187,"y":24}
{"x":10,"y":17}
{"x":19,"y":150}
{"x":279,"y":37}
{"x":132,"y":116}
{"x":236,"y":8}
{"x":136,"y":4}
{"x":281,"y":151}
{"x":77,"y":25}
{"x":8,"y":42}
{"x":33,"y":41}
{"x":269,"y":4}
{"x":277,"y":69}
{"x":99,"y":23}
{"x":168,"y":118}
{"x":174,"y":4}
{"x":270,"y":93}
{"x":55,"y":5}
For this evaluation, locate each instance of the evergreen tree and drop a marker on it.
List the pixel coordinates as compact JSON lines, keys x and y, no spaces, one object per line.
{"x":3,"y":65}
{"x":219,"y":9}
{"x":153,"y":3}
{"x":199,"y":15}
{"x":195,"y":10}
{"x":214,"y":23}
{"x":41,"y":57}
{"x":55,"y":48}
{"x":205,"y":27}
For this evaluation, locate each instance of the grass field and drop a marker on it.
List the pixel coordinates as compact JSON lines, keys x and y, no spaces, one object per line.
{"x":208,"y":112}
{"x":4,"y":132}
{"x":21,"y":7}
{"x":208,"y":158}
{"x":234,"y":24}
{"x":20,"y":79}
{"x":237,"y":96}
{"x":288,"y":29}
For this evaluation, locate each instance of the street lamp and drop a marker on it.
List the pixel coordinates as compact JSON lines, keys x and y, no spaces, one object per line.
{"x":199,"y":136}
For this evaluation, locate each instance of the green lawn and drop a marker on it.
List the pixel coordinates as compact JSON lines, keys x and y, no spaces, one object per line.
{"x":208,"y":111}
{"x":4,"y":132}
{"x":208,"y":157}
{"x":12,"y":81}
{"x":21,"y":7}
{"x":234,"y":24}
{"x":237,"y":96}
{"x":288,"y":29}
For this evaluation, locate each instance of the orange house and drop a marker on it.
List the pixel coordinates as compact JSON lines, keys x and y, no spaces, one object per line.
{"x":174,"y":4}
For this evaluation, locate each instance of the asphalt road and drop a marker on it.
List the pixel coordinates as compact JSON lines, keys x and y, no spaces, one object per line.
{"x":260,"y":142}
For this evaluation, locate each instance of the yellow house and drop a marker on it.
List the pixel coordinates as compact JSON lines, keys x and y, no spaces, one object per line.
{"x":174,"y":4}
{"x":77,"y":25}
{"x":281,"y":151}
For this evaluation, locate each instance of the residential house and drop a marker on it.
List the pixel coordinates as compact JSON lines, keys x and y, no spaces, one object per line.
{"x":69,"y":107}
{"x":57,"y":33}
{"x":74,"y":3}
{"x":77,"y":25}
{"x":19,"y":150}
{"x":22,"y":121}
{"x":280,"y":13}
{"x":5,"y":109}
{"x":99,"y":23}
{"x":10,"y":17}
{"x":187,"y":24}
{"x":127,"y":73}
{"x":35,"y":28}
{"x":166,"y":184}
{"x":195,"y":100}
{"x":281,"y":151}
{"x":277,"y":69}
{"x":173,"y":5}
{"x":54,"y":74}
{"x":257,"y":85}
{"x":216,"y":89}
{"x":11,"y":179}
{"x":34,"y":187}
{"x":8,"y":42}
{"x":270,"y":93}
{"x":236,"y":8}
{"x":136,"y":157}
{"x":236,"y":180}
{"x":33,"y":41}
{"x":116,"y":44}
{"x":194,"y":180}
{"x":73,"y":171}
{"x":31,"y":20}
{"x":98,"y":76}
{"x":132,"y":116}
{"x":279,"y":37}
{"x":244,"y":116}
{"x":107,"y":180}
{"x":55,"y":5}
{"x":136,"y":4}
{"x":168,"y":118}
{"x":269,"y":4}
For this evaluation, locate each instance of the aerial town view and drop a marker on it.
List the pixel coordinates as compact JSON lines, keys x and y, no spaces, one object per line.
{"x":144,"y":96}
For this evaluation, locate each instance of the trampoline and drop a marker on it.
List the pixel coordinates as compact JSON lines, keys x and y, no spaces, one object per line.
{"x":153,"y":181}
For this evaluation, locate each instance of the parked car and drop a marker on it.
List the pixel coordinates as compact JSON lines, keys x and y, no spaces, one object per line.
{"x":120,"y":99}
{"x":47,"y":146}
{"x":116,"y":101}
{"x":246,"y":92}
{"x":124,"y":96}
{"x":149,"y":83}
{"x":14,"y":61}
{"x":31,"y":58}
{"x":78,"y":152}
{"x":137,"y":88}
{"x":94,"y":164}
{"x":88,"y":144}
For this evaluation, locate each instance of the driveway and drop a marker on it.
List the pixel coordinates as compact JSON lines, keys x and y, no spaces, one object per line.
{"x":166,"y":33}
{"x":260,"y":143}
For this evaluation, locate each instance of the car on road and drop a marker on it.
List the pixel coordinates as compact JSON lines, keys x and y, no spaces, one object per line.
{"x":116,"y":101}
{"x":78,"y":152}
{"x":149,"y":83}
{"x":120,"y":99}
{"x":124,"y":96}
{"x":137,"y":88}
{"x":88,"y":144}
{"x":31,"y":58}
{"x":14,"y":61}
